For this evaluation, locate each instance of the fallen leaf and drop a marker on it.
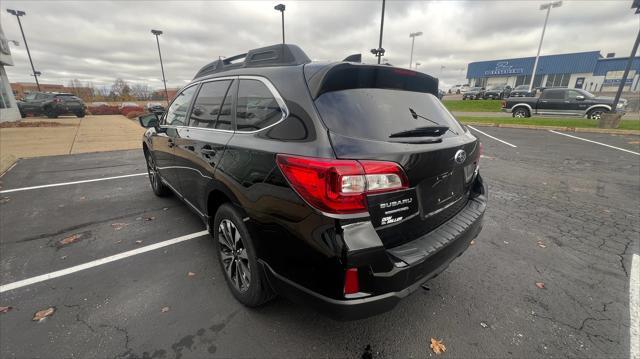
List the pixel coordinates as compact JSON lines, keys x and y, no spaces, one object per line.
{"x":191,"y":274}
{"x":541,"y":244}
{"x":149,"y":218}
{"x":165,"y":309}
{"x":5,"y":309}
{"x":68,"y":240}
{"x":118,"y":226}
{"x":5,"y":199}
{"x":40,"y":315}
{"x":138,"y":242}
{"x":473,"y":241}
{"x":83,"y":198}
{"x":483,"y":324}
{"x":540,"y":285}
{"x":165,"y":209}
{"x":437,"y":346}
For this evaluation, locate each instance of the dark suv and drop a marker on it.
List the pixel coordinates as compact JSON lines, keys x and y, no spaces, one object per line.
{"x":51,"y":104}
{"x":339,"y":185}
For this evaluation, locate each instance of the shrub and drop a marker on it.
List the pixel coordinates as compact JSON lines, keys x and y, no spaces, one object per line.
{"x":104,"y":110}
{"x":126,"y":110}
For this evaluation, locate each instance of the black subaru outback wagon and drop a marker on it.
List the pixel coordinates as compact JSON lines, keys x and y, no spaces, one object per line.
{"x":341,"y":185}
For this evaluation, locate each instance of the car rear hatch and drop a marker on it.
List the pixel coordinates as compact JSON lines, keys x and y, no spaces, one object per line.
{"x":387,"y":114}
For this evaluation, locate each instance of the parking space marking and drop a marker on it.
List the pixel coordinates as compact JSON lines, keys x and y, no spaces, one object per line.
{"x":634,"y":307}
{"x":70,"y":183}
{"x":99,"y":262}
{"x":597,"y":143}
{"x":497,"y":139}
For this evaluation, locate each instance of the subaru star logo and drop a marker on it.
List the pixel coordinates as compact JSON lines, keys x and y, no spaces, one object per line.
{"x":460,"y":156}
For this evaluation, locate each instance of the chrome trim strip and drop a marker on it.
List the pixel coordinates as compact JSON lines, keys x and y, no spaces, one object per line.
{"x":443,"y":208}
{"x":599,"y":105}
{"x":521,"y":104}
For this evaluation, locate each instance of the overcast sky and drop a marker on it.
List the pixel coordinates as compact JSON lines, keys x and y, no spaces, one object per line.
{"x":99,"y":41}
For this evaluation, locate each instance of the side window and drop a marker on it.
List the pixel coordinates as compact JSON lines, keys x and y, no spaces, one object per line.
{"x":206,"y":108}
{"x":553,"y":95}
{"x":177,"y":112}
{"x":226,"y":112}
{"x":572,"y":95}
{"x":257,"y":108}
{"x":30,"y":97}
{"x":42,"y":96}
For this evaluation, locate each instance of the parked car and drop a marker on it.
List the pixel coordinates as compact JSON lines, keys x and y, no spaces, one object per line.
{"x":51,"y":104}
{"x":455,"y":89}
{"x":562,"y":101}
{"x":441,"y":94}
{"x":464,"y":88}
{"x":497,"y":92}
{"x":308,"y":188}
{"x":155,"y":107}
{"x":522,"y":91}
{"x":474,"y":93}
{"x":129,"y":104}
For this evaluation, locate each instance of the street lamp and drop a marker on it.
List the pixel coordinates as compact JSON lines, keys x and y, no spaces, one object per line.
{"x":623,"y":81}
{"x":413,"y":40}
{"x":17,"y":14}
{"x":547,"y":7}
{"x":418,"y":64}
{"x":164,"y":81}
{"x":379,"y":52}
{"x":281,"y":7}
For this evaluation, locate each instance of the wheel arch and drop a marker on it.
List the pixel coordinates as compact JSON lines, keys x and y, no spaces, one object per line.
{"x":522,"y":104}
{"x":599,"y":106}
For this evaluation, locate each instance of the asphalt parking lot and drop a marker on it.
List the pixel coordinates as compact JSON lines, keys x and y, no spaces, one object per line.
{"x":563,"y":211}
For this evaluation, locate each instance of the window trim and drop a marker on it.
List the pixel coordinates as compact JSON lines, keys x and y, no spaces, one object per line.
{"x":164,"y":116}
{"x":265,"y":81}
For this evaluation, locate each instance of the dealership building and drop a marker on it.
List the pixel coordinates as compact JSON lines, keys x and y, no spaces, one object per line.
{"x":586,"y":70}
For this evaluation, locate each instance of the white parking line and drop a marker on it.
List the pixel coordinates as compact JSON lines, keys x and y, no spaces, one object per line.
{"x":70,"y":183}
{"x":634,"y":307}
{"x":597,"y":143}
{"x":497,"y":139}
{"x":99,"y":262}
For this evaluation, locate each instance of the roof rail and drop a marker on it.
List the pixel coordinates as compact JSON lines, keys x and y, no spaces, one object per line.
{"x":274,"y":55}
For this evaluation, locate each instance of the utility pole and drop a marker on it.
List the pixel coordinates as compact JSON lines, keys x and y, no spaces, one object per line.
{"x":614,"y":107}
{"x":413,"y":40}
{"x":164,"y":81}
{"x":547,"y":7}
{"x":281,"y":7}
{"x":379,"y":52}
{"x":18,"y":14}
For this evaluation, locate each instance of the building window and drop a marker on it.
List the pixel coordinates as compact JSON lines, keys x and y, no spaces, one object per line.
{"x":558,"y":80}
{"x":481,"y":82}
{"x":526,"y":79}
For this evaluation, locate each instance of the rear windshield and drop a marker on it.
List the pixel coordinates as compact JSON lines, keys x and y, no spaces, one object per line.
{"x":377,"y":113}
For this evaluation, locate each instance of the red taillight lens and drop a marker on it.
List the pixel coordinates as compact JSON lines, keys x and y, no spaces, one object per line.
{"x":340,"y":186}
{"x":351,"y":284}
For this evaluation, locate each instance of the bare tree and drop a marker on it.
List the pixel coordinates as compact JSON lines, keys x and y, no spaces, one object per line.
{"x":141,"y":91}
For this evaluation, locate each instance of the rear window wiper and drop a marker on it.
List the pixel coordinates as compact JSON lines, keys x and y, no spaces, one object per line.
{"x":431,"y":131}
{"x":415,"y":116}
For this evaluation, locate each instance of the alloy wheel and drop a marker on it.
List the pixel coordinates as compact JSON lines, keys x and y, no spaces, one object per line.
{"x":153,"y":172}
{"x":233,"y":253}
{"x":519,"y":114}
{"x":596,"y":115}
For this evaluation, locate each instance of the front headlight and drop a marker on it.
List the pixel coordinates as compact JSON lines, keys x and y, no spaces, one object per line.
{"x":621,"y":105}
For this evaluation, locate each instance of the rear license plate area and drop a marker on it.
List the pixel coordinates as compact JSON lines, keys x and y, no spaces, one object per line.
{"x":440,"y":191}
{"x":389,"y":208}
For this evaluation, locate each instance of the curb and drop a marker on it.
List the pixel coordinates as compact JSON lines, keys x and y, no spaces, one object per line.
{"x":556,"y":128}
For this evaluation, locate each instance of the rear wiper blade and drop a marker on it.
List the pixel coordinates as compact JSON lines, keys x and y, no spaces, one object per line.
{"x":431,"y":131}
{"x":415,"y":116}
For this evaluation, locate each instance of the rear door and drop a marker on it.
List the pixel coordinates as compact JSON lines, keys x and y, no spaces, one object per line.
{"x":173,"y":127}
{"x":364,"y":118}
{"x":200,"y":150}
{"x":553,"y":102}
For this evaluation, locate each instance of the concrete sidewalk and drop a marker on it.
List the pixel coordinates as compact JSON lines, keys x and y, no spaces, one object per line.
{"x":74,"y":135}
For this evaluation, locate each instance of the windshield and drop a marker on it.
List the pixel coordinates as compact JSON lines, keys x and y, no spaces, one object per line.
{"x":475,"y":89}
{"x":497,"y":88}
{"x":522,"y":87}
{"x":378,"y":113}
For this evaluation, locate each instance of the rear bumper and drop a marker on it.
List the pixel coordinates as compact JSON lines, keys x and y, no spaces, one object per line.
{"x":422,"y":259}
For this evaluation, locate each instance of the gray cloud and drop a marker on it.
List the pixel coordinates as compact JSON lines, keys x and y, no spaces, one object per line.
{"x":98,"y":41}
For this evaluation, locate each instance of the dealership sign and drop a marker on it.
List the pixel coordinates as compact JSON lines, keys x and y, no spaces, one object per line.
{"x":503,"y":68}
{"x":616,"y":82}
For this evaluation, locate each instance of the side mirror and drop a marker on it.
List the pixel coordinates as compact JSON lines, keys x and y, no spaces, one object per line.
{"x":149,"y":120}
{"x":580,"y":98}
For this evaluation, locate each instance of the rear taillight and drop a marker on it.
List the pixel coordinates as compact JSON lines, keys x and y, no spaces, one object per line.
{"x":340,"y":186}
{"x":503,"y":104}
{"x":351,"y":284}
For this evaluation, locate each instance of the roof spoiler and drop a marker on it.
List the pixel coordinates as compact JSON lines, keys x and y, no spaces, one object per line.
{"x":353,"y":58}
{"x":275,"y":55}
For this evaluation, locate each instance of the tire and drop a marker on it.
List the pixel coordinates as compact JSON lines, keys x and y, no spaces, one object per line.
{"x":80,"y":114}
{"x":158,"y":187}
{"x":51,"y":113}
{"x":237,"y":256}
{"x":521,"y":112}
{"x":596,"y":113}
{"x":23,"y":115}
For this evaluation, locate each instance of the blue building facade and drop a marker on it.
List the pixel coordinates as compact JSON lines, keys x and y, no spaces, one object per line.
{"x":587,"y":70}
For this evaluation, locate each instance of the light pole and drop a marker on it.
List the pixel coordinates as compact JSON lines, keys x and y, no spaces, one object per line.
{"x":379,"y":52}
{"x":636,"y":5}
{"x":547,"y":7}
{"x":413,"y":40}
{"x":281,"y":7}
{"x":17,"y":14}
{"x":164,"y":81}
